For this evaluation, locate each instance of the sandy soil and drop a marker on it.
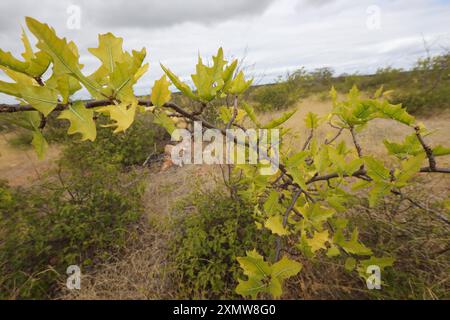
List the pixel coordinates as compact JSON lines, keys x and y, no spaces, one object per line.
{"x":20,"y":166}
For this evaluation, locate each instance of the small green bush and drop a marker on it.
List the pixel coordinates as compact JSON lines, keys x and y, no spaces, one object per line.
{"x":207,"y":240}
{"x":83,"y":217}
{"x":21,"y":140}
{"x":125,"y":149}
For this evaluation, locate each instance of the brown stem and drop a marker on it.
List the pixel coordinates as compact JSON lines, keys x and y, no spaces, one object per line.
{"x":285,"y":220}
{"x":427,"y":149}
{"x":355,"y":142}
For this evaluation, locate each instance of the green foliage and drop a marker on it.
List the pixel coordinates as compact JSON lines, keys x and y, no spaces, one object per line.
{"x":81,"y":219}
{"x":208,"y":239}
{"x":212,"y":82}
{"x":124,"y":149}
{"x":265,"y":278}
{"x":81,"y":121}
{"x":276,"y":96}
{"x":300,"y":206}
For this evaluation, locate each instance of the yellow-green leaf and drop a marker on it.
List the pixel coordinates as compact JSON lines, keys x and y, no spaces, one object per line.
{"x":40,"y":144}
{"x":239,"y":85}
{"x":318,"y":241}
{"x":275,"y":224}
{"x":41,"y":98}
{"x":183,"y":87}
{"x":7,"y":60}
{"x":121,"y":114}
{"x":250,"y":287}
{"x":286,"y":268}
{"x":161,"y":92}
{"x":63,"y":54}
{"x":278,"y":122}
{"x":165,"y":121}
{"x":109,"y":51}
{"x":350,"y":264}
{"x":81,"y":121}
{"x":254,"y":265}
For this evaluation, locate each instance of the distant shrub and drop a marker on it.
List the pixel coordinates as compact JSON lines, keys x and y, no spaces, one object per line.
{"x":22,"y":139}
{"x":207,"y":241}
{"x":273,"y":97}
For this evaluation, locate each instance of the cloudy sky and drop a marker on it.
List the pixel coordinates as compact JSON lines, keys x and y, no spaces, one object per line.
{"x":274,"y":35}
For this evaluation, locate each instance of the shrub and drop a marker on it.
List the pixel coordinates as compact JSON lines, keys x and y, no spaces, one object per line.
{"x":82,"y":219}
{"x":207,"y":241}
{"x":126,"y":149}
{"x":278,"y":96}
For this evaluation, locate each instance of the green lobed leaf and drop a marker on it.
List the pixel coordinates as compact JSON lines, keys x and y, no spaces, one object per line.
{"x":183,"y":87}
{"x":278,"y":122}
{"x":40,"y":144}
{"x":275,"y":224}
{"x":160,"y":92}
{"x":81,"y":121}
{"x":63,"y":54}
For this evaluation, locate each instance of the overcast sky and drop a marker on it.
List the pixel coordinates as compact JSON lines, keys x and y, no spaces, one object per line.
{"x":274,"y":35}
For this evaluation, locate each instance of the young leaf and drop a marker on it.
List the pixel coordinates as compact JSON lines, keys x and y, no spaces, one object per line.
{"x":41,"y":98}
{"x":286,"y":268}
{"x":250,"y":287}
{"x":318,"y":241}
{"x":65,"y":60}
{"x":271,"y":205}
{"x":164,"y":120}
{"x":229,"y":72}
{"x":353,"y":246}
{"x":183,"y":87}
{"x":379,"y":190}
{"x":109,"y":51}
{"x":410,"y":168}
{"x":350,"y":264}
{"x":395,"y":112}
{"x":11,"y":89}
{"x":311,"y":120}
{"x":278,"y":122}
{"x":122,"y":81}
{"x":275,"y":224}
{"x":254,"y":265}
{"x":81,"y":121}
{"x":376,"y":169}
{"x":7,"y":60}
{"x":318,"y":214}
{"x":250,"y":113}
{"x":40,"y":144}
{"x":204,"y":82}
{"x":239,"y":85}
{"x":38,"y":63}
{"x":440,"y":151}
{"x":121,"y":114}
{"x":382,"y":263}
{"x":275,"y":287}
{"x":160,"y":92}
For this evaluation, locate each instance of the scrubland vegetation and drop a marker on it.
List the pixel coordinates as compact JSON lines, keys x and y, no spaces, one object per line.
{"x":184,"y":233}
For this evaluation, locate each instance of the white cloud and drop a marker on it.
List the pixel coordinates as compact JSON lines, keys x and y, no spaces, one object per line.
{"x":279,"y":35}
